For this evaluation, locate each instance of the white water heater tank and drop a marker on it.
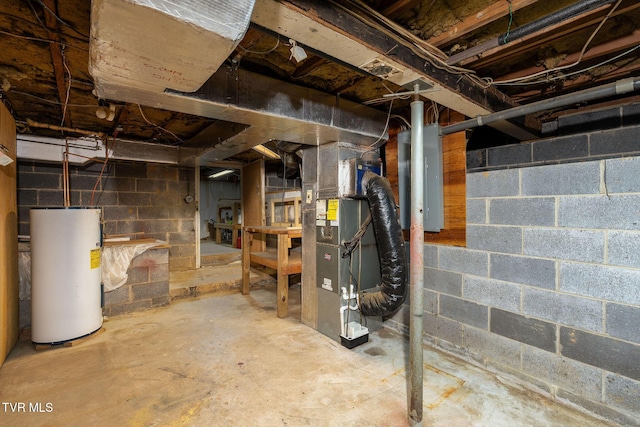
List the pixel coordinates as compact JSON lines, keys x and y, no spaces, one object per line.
{"x":66,"y":293}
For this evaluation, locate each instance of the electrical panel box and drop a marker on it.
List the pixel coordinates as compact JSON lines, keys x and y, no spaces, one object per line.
{"x":433,"y":198}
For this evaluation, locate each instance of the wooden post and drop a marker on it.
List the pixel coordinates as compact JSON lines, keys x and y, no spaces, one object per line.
{"x":283,"y":274}
{"x":246,"y":261}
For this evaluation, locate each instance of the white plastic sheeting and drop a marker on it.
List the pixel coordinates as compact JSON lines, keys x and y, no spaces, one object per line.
{"x":116,"y":260}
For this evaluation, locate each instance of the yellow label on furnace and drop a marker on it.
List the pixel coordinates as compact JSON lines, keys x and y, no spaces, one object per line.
{"x":332,"y":210}
{"x":95,"y":258}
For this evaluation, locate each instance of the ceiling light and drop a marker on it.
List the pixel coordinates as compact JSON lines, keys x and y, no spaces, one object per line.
{"x":221,"y":173}
{"x":297,"y":52}
{"x":265,"y":151}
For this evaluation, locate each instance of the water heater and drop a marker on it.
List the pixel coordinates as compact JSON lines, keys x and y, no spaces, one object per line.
{"x":66,"y":292}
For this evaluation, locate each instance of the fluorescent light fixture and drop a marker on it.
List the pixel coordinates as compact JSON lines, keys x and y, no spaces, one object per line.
{"x":221,"y":173}
{"x":265,"y":151}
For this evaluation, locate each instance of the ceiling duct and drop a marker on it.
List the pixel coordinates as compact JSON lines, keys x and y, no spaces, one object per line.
{"x":155,"y":45}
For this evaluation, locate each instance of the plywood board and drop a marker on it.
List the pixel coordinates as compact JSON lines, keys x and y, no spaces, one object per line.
{"x":9,"y":315}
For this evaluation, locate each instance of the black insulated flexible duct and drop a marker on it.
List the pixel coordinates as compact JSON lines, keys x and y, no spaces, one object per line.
{"x":393,"y":260}
{"x":559,"y":16}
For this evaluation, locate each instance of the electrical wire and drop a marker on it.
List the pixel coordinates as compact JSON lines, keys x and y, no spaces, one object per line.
{"x":57,"y":18}
{"x":564,"y":67}
{"x":157,"y":126}
{"x":259,"y":52}
{"x":41,"y":40}
{"x":66,"y":101}
{"x":104,"y":165}
{"x":52,"y":102}
{"x":506,"y":35}
{"x":563,"y":76}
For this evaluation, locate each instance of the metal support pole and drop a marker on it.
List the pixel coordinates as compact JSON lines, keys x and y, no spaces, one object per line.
{"x":416,"y":294}
{"x":196,"y":218}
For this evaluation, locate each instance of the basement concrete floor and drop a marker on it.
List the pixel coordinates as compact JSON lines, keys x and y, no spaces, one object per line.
{"x":225,"y":359}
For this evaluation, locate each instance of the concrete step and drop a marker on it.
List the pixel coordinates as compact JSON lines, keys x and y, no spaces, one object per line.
{"x":220,"y":259}
{"x":210,"y":279}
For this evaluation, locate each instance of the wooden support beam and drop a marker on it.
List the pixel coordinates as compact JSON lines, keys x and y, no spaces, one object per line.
{"x":480,"y":19}
{"x":398,"y":7}
{"x":59,"y":72}
{"x":332,"y":30}
{"x":309,"y":66}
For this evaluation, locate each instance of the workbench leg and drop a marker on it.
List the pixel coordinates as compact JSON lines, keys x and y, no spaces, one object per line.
{"x":246,"y":261}
{"x":283,"y":279}
{"x":218,"y":235}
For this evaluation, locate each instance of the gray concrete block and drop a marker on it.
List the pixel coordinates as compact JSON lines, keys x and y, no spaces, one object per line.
{"x":151,"y":186}
{"x":476,"y":211}
{"x":150,"y":290}
{"x":164,"y":172}
{"x":538,"y":211}
{"x":492,"y":293}
{"x":591,"y":120}
{"x":101,"y":198}
{"x":571,"y":147}
{"x":447,"y":282}
{"x":476,"y":159}
{"x":600,"y":409}
{"x":500,"y":183}
{"x":524,"y":329}
{"x":430,"y":302}
{"x":607,"y":283}
{"x":134,"y":199}
{"x":129,"y":307}
{"x":443,"y":328}
{"x":624,"y":140}
{"x":622,"y":393}
{"x":621,"y":175}
{"x":118,"y":184}
{"x":430,"y":255}
{"x":131,"y":170}
{"x":509,"y":155}
{"x":566,"y":178}
{"x":528,"y":271}
{"x":610,"y":354}
{"x":148,"y":212}
{"x":560,"y":243}
{"x":564,"y":373}
{"x":137,"y":275}
{"x":494,"y":238}
{"x":463,"y":260}
{"x":622,"y":248}
{"x":623,"y":321}
{"x":492,"y":349}
{"x":464,"y":311}
{"x":565,"y":309}
{"x":117,"y":296}
{"x":614,"y":212}
{"x":29,"y":180}
{"x":152,"y":257}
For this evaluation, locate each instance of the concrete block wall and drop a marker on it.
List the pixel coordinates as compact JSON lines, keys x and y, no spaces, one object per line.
{"x":547,"y":290}
{"x":137,"y":199}
{"x":147,"y":284}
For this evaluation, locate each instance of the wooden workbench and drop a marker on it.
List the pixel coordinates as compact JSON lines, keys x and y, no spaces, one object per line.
{"x":280,"y":260}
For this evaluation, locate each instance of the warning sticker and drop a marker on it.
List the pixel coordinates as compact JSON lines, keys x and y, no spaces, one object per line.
{"x":332,"y":210}
{"x":95,"y":258}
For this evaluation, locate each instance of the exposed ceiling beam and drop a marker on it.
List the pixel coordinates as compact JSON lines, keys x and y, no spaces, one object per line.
{"x":547,"y":35}
{"x":399,"y":6}
{"x":492,"y":13}
{"x":50,"y":8}
{"x":326,"y":28}
{"x":595,"y":52}
{"x":309,"y":66}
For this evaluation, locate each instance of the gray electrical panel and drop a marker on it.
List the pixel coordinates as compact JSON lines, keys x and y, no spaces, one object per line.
{"x":433,"y":186}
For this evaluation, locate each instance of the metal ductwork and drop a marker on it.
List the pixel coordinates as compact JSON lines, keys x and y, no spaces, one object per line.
{"x":168,"y":55}
{"x":163,"y":44}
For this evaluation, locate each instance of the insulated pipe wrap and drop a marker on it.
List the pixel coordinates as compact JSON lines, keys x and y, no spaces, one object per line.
{"x":393,"y":261}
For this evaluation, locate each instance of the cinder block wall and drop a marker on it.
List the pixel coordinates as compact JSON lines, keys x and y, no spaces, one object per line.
{"x":147,"y":284}
{"x":138,"y":199}
{"x":547,"y":290}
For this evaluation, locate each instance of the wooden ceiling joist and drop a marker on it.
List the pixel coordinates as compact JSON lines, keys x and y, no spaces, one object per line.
{"x":492,"y":13}
{"x":51,"y":8}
